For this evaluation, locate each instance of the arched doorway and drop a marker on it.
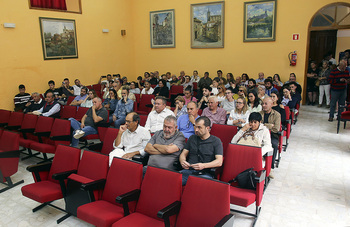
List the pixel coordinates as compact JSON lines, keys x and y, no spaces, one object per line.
{"x":322,"y":33}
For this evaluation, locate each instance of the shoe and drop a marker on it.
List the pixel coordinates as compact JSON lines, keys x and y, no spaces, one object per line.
{"x":78,"y":134}
{"x":328,"y":106}
{"x":319,"y":105}
{"x":330,"y":119}
{"x":313,"y":103}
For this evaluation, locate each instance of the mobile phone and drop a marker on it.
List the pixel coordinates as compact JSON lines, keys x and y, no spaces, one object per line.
{"x":103,"y":76}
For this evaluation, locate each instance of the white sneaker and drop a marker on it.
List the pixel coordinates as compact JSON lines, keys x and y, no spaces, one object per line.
{"x":78,"y":134}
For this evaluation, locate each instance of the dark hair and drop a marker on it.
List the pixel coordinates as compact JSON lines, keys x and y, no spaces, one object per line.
{"x":224,"y":80}
{"x":278,"y":76}
{"x":114,"y":92}
{"x":109,"y":75}
{"x":189,"y":88}
{"x":163,"y":82}
{"x":293,"y":75}
{"x":206,"y":120}
{"x":135,"y":117}
{"x":93,"y":92}
{"x":267,"y":81}
{"x":85,"y":88}
{"x":162,"y":98}
{"x":139,"y":78}
{"x":217,"y":80}
{"x":147,"y":73}
{"x":51,"y":82}
{"x":65,"y":79}
{"x":126,"y":87}
{"x":256,"y":98}
{"x":255,"y":116}
{"x":21,"y":86}
{"x":207,"y":87}
{"x":219,"y":71}
{"x":278,"y":96}
{"x":206,"y":73}
{"x":293,"y":83}
{"x":245,"y":74}
{"x":136,"y":84}
{"x":254,"y":82}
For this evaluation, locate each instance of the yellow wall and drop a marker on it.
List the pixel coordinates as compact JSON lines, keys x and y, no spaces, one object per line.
{"x":343,"y":42}
{"x":21,"y":59}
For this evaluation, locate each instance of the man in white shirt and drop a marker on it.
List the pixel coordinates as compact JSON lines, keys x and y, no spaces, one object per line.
{"x":156,"y":118}
{"x":51,"y":108}
{"x":131,"y":140}
{"x":77,"y":87}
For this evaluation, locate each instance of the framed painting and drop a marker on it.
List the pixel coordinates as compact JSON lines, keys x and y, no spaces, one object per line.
{"x":162,"y":25}
{"x":207,"y":25}
{"x":59,"y":38}
{"x":259,"y":21}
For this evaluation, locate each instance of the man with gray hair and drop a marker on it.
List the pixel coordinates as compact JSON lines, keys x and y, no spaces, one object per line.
{"x":216,"y":114}
{"x":165,"y":145}
{"x":36,"y":103}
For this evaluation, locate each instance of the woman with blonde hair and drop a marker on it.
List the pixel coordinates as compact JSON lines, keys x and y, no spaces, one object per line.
{"x":221,"y":94}
{"x":239,"y":116}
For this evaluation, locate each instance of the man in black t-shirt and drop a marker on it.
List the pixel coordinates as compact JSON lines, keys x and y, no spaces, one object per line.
{"x":202,"y":152}
{"x":56,"y":91}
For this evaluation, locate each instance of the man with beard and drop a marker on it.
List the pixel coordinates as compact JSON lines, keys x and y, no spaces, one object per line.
{"x":131,"y":140}
{"x":203,"y":103}
{"x":165,"y":145}
{"x":201,"y":152}
{"x":269,"y":87}
{"x":252,"y":86}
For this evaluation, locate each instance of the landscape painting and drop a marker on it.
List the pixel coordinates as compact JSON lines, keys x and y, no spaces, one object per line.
{"x":259,"y":21}
{"x":207,"y":25}
{"x":59,"y":38}
{"x":162,"y":29}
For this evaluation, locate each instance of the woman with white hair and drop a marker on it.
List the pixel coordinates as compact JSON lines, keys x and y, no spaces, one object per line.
{"x":261,"y":92}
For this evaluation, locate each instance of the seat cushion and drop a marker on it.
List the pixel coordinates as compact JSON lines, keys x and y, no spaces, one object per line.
{"x":43,"y":191}
{"x":345,"y":115}
{"x":138,"y":219}
{"x":44,"y":148}
{"x":100,"y":213}
{"x":242,"y":197}
{"x":25,"y":142}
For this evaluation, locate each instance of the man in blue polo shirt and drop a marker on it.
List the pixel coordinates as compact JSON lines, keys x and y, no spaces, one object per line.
{"x":185,"y":122}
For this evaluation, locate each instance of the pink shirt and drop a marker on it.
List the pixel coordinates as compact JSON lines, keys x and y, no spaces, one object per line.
{"x":189,"y":100}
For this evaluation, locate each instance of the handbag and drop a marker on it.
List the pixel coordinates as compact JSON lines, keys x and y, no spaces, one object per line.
{"x":317,"y":83}
{"x":249,"y":138}
{"x":246,"y":179}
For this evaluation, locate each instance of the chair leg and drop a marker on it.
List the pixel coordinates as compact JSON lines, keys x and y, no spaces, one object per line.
{"x":344,"y":124}
{"x":30,"y":154}
{"x":40,"y":206}
{"x":63,"y":218}
{"x":10,"y":184}
{"x":338,"y":125}
{"x":257,"y":212}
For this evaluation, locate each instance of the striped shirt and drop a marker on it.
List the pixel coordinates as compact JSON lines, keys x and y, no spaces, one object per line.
{"x":334,"y":79}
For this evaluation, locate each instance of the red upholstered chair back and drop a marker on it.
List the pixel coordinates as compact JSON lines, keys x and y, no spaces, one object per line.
{"x":123,"y":176}
{"x":44,"y":124}
{"x":143,"y":119}
{"x":80,"y":113}
{"x":4,"y":116}
{"x":224,"y":132}
{"x":145,"y":99}
{"x":200,"y":111}
{"x":16,"y":119}
{"x":61,"y":128}
{"x":204,"y":202}
{"x":137,"y":96}
{"x":239,"y":158}
{"x":66,"y":159}
{"x":287,"y":109}
{"x":159,"y":189}
{"x":68,"y":111}
{"x":93,"y":165}
{"x":97,"y":87}
{"x":108,"y":141}
{"x":9,"y":141}
{"x":176,"y":89}
{"x":102,"y":132}
{"x":29,"y":121}
{"x":70,"y":100}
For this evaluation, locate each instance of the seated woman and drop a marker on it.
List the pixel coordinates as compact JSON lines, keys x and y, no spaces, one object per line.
{"x":239,"y":116}
{"x":180,"y":108}
{"x":254,"y":134}
{"x":88,"y":100}
{"x":187,"y":82}
{"x":261,"y":92}
{"x":254,"y":103}
{"x":275,"y":96}
{"x":148,"y":90}
{"x":229,"y":103}
{"x":245,"y":79}
{"x":110,"y":103}
{"x":221,"y":94}
{"x":286,"y":96}
{"x":188,"y":95}
{"x":242,"y":92}
{"x":214,"y":86}
{"x":162,"y":89}
{"x":277,"y":80}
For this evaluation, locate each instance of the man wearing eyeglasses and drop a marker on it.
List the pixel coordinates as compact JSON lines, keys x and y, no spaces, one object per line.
{"x":186,"y":122}
{"x":261,"y":79}
{"x":156,"y":117}
{"x":216,"y":114}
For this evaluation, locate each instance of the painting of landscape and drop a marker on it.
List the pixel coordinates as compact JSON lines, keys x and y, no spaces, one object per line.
{"x":58,"y":38}
{"x":259,"y":21}
{"x":162,"y":29}
{"x":207,"y":25}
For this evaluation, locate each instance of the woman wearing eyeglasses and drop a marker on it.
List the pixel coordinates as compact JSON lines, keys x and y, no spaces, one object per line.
{"x":254,"y":104}
{"x":239,"y":116}
{"x":180,"y":108}
{"x":188,"y":95}
{"x":242,"y":92}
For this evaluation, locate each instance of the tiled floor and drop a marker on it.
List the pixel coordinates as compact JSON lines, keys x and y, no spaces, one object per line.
{"x":311,"y":187}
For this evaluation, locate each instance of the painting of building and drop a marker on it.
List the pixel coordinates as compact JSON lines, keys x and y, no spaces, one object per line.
{"x":207,"y":25}
{"x":162,"y":29}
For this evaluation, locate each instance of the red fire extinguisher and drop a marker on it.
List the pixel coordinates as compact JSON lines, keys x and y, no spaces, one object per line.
{"x":292,"y":58}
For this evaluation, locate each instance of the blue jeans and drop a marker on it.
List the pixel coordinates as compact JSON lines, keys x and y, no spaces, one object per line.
{"x":187,"y":172}
{"x":339,"y":96}
{"x":119,"y":122}
{"x":76,"y":126}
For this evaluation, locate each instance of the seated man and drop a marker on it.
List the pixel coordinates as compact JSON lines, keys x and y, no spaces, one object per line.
{"x":203,"y":103}
{"x":165,"y":145}
{"x":80,"y":98}
{"x":51,"y":108}
{"x":124,"y":106}
{"x":77,"y":87}
{"x":294,"y":94}
{"x":35,"y":104}
{"x":252,"y":86}
{"x":269,"y":87}
{"x":293,"y":78}
{"x":21,"y":99}
{"x":131,"y":140}
{"x":66,"y":91}
{"x":272,"y":120}
{"x":186,"y":122}
{"x":156,"y":117}
{"x":96,"y":115}
{"x":261,"y":79}
{"x":216,"y":114}
{"x":56,"y":92}
{"x":201,"y":152}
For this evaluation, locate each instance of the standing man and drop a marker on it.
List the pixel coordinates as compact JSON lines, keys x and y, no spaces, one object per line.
{"x":124,"y":106}
{"x":338,"y":79}
{"x":272,"y":120}
{"x":165,"y":145}
{"x":261,"y":79}
{"x":156,"y":117}
{"x":216,"y":114}
{"x":21,"y":99}
{"x":95,"y":116}
{"x":187,"y":121}
{"x":201,"y":152}
{"x":131,"y":140}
